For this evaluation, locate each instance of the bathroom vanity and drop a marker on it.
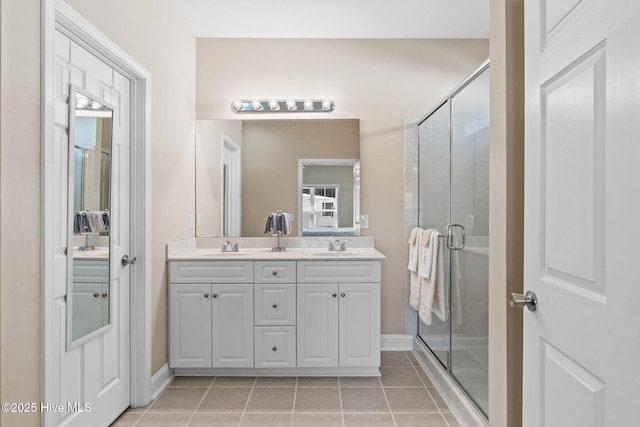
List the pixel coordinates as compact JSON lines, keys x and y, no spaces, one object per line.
{"x":304,"y":311}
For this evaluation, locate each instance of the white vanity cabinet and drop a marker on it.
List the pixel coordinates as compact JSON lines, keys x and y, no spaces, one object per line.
{"x":274,"y":317}
{"x":338,"y":313}
{"x":211,"y":314}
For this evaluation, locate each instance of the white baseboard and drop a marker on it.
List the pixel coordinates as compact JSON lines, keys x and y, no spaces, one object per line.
{"x":396,"y":342}
{"x":160,"y":380}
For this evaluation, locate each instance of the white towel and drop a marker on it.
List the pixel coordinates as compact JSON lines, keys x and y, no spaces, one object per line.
{"x":426,"y":253}
{"x":432,"y":291}
{"x":287,"y":224}
{"x":414,"y":288}
{"x":413,"y":249}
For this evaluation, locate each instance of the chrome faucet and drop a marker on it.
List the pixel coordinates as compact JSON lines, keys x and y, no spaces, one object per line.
{"x":230,"y":247}
{"x":337,"y":245}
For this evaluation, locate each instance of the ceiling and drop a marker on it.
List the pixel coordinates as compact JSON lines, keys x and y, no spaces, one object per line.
{"x":385,"y":19}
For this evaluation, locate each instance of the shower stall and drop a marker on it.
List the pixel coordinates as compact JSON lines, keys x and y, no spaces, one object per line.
{"x":453,"y":197}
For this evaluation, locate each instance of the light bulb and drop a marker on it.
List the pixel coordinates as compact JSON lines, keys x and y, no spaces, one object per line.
{"x":308,"y":104}
{"x":291,"y":105}
{"x":273,"y":104}
{"x":327,"y":104}
{"x":237,"y":105}
{"x":257,"y":105}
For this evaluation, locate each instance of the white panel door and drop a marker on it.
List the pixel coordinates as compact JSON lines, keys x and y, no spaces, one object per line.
{"x":317,"y":329}
{"x":359,"y":320}
{"x":232,"y":325}
{"x":190,"y":325}
{"x":582,"y":204}
{"x":96,"y":372}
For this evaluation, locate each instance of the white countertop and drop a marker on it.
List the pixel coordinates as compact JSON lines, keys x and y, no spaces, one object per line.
{"x":96,"y":254}
{"x":291,"y":254}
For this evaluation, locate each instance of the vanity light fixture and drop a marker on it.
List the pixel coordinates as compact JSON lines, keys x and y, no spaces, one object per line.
{"x":283,"y":105}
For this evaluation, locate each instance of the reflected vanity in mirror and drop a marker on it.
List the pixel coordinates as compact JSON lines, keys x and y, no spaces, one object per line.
{"x":246,"y":169}
{"x":329,"y":197}
{"x":89,"y":216}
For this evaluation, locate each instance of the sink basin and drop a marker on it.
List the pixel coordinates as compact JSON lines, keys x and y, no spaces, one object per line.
{"x":337,"y":254}
{"x":221,"y":254}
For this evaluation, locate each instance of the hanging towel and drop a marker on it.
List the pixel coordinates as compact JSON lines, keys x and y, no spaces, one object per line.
{"x":106,"y":219}
{"x":270,"y":225}
{"x":432,"y":292}
{"x":413,"y":249}
{"x":286,"y":223}
{"x":425,"y":257}
{"x":414,"y":283}
{"x":96,"y":224}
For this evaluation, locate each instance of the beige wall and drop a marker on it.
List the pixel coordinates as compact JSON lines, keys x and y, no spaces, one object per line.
{"x":506,"y":211}
{"x":164,"y":46}
{"x":20,"y":208}
{"x":271,"y":150}
{"x":380,"y":82}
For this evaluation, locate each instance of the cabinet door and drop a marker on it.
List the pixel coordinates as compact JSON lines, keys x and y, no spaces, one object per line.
{"x":189,"y":325}
{"x":87,"y":308}
{"x":317,"y":331}
{"x":359,"y":324}
{"x":232,"y":325}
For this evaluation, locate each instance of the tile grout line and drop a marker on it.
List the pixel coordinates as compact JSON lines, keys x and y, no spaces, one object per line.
{"x":246,"y":405}
{"x":393,"y":418}
{"x":340,"y":397}
{"x":201,"y":400}
{"x":430,"y":395}
{"x":293,"y":410}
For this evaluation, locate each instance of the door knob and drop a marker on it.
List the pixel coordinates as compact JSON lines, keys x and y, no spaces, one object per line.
{"x":519,"y":301}
{"x":126,"y":260}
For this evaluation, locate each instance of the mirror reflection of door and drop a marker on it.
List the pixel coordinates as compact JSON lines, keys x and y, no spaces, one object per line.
{"x":231,"y":188}
{"x":90,"y":215}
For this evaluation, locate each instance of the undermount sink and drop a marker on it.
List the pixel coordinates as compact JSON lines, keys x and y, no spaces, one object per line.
{"x":221,"y":254}
{"x":337,"y":253}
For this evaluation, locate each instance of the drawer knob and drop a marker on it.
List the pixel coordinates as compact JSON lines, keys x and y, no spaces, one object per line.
{"x":215,"y":295}
{"x":275,"y":273}
{"x":334,"y":295}
{"x":274,"y":348}
{"x":104,"y":295}
{"x":96,"y":294}
{"x":206,"y":295}
{"x":275,"y":305}
{"x":342,"y":295}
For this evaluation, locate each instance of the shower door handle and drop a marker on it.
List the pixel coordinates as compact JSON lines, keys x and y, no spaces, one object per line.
{"x":450,"y":235}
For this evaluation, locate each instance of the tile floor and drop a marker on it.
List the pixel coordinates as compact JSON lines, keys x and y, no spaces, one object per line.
{"x":402,"y":397}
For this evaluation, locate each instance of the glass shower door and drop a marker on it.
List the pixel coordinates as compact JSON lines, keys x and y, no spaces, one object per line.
{"x":434,"y":208}
{"x":469,"y":266}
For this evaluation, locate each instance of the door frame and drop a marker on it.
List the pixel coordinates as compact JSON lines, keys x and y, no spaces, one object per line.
{"x":56,"y":14}
{"x":234,"y":202}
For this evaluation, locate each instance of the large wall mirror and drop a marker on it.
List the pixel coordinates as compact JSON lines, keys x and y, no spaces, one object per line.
{"x":89,"y":216}
{"x":246,"y":169}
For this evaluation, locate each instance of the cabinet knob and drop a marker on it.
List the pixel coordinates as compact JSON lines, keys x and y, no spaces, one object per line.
{"x":342,"y":294}
{"x":275,"y":305}
{"x":206,"y":295}
{"x":104,"y":295}
{"x":96,"y":294}
{"x":215,"y":295}
{"x":275,"y":273}
{"x":334,"y":295}
{"x":274,"y":348}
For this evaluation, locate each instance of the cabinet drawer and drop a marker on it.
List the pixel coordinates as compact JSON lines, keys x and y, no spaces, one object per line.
{"x":275,"y":304}
{"x":275,"y":346}
{"x":91,"y":271}
{"x":275,"y":272}
{"x":211,"y":272}
{"x":338,"y":271}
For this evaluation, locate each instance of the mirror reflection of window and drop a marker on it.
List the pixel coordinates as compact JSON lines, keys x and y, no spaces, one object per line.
{"x":320,"y":206}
